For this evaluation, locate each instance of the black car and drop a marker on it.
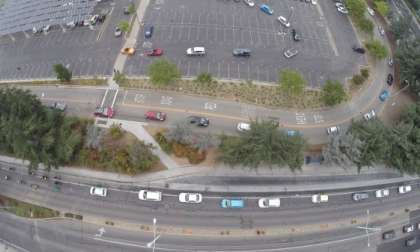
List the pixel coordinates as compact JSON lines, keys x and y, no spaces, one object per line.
{"x":199,"y":121}
{"x":388,"y":235}
{"x":410,"y":242}
{"x":148,"y":31}
{"x":390,"y":79}
{"x":359,"y":49}
{"x":295,"y":35}
{"x":241,"y":52}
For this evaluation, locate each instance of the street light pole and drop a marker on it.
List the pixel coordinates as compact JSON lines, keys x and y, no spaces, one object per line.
{"x":155,"y":238}
{"x":368,"y":229}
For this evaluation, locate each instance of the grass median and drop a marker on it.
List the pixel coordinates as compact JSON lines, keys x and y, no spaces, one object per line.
{"x":26,"y":210}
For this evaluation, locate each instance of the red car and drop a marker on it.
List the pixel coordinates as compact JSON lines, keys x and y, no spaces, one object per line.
{"x":155,"y":115}
{"x":155,"y":52}
{"x":104,"y":112}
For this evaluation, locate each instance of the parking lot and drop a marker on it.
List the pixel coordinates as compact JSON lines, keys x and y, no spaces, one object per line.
{"x":85,"y":50}
{"x":222,"y":25}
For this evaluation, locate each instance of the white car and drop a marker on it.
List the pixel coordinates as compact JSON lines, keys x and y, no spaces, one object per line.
{"x":198,"y":50}
{"x":381,"y":30}
{"x":342,"y":10}
{"x":242,"y":126}
{"x":269,"y":202}
{"x":98,"y":191}
{"x":369,"y":115}
{"x":371,"y":11}
{"x":404,"y":189}
{"x":150,"y":195}
{"x":313,"y":2}
{"x":382,"y":193}
{"x":250,"y":3}
{"x":339,"y":5}
{"x":283,"y":21}
{"x":319,"y":198}
{"x":190,"y":197}
{"x":334,"y":130}
{"x":289,"y":53}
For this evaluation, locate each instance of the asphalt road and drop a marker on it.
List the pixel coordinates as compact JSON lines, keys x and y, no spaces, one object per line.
{"x":220,"y":26}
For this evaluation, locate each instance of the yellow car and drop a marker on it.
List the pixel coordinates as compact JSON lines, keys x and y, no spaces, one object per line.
{"x":128,"y":51}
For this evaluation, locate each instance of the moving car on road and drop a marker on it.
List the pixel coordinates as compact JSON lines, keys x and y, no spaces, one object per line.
{"x":107,"y":112}
{"x":155,"y":52}
{"x":388,"y":235}
{"x":382,"y":193}
{"x":199,"y":121}
{"x":408,"y":228}
{"x":266,"y":9}
{"x":155,"y":116}
{"x":269,"y":202}
{"x":232,"y":203}
{"x":98,"y":191}
{"x":150,"y":195}
{"x":410,"y":242}
{"x":404,"y":189}
{"x":319,"y":198}
{"x":360,"y":196}
{"x":190,"y":197}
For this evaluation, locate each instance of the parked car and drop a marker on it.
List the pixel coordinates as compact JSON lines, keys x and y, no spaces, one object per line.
{"x":199,"y":121}
{"x":269,"y":202}
{"x":128,"y":51}
{"x":408,"y":228}
{"x":390,"y":62}
{"x":232,"y":203}
{"x":98,"y":191}
{"x":155,"y":115}
{"x":342,"y":10}
{"x":196,"y":51}
{"x":334,"y":130}
{"x":313,"y":2}
{"x":404,"y":189}
{"x":296,"y":35}
{"x":371,"y":11}
{"x":389,"y":79}
{"x":383,"y":95}
{"x":243,"y":126}
{"x":369,"y":115}
{"x":150,"y":195}
{"x":410,"y":242}
{"x":117,"y":32}
{"x":319,"y":198}
{"x":46,"y":28}
{"x":291,"y":133}
{"x":148,"y":31}
{"x":244,"y":52}
{"x":58,"y":106}
{"x":289,"y":53}
{"x":283,"y":21}
{"x":388,"y":235}
{"x":107,"y":112}
{"x":155,"y":52}
{"x":126,"y":10}
{"x":190,"y":197}
{"x":381,"y":193}
{"x":250,"y":3}
{"x":381,"y":31}
{"x":360,"y":196}
{"x":266,"y":9}
{"x":359,"y":49}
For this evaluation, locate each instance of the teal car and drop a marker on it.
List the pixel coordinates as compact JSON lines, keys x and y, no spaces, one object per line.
{"x":232,"y":203}
{"x":266,"y":9}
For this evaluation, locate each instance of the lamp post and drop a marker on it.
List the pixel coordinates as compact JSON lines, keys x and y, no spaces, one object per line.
{"x":368,"y":229}
{"x":155,"y":238}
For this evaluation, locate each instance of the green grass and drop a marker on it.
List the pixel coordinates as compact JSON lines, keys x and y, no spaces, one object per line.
{"x":26,"y":210}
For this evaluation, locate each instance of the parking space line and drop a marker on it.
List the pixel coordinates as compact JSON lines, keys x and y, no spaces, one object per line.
{"x":197,"y":37}
{"x":188,"y":68}
{"x":189,"y":33}
{"x":239,"y":72}
{"x":228,"y":70}
{"x":258,"y":73}
{"x":198,"y":68}
{"x":218,"y":69}
{"x":208,"y":67}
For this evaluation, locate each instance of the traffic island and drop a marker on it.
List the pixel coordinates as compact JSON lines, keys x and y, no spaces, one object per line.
{"x":26,"y":210}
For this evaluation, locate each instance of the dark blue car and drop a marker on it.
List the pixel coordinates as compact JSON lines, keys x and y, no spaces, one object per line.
{"x":148,"y":31}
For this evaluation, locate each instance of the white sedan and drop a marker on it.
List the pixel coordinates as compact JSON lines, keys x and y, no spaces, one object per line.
{"x":319,"y":198}
{"x":250,"y":3}
{"x":404,"y":189}
{"x":382,"y":193}
{"x":242,"y":126}
{"x":150,"y":195}
{"x":369,"y":115}
{"x":98,"y":191}
{"x":190,"y":198}
{"x":283,"y":21}
{"x":269,"y":202}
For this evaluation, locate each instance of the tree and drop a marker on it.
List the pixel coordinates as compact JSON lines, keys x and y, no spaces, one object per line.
{"x":382,"y":7}
{"x":141,"y":157}
{"x":263,"y":144}
{"x":357,"y":79}
{"x":365,"y":25}
{"x":333,"y":93}
{"x":292,"y":82}
{"x":356,"y":8}
{"x":377,"y":49}
{"x":162,"y":72}
{"x":119,"y":78}
{"x":131,"y":8}
{"x":343,"y":150}
{"x":62,"y":72}
{"x":124,"y":26}
{"x":400,"y":26}
{"x":408,"y":56}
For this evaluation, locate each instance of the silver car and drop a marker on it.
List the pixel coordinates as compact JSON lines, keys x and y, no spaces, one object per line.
{"x":289,"y":53}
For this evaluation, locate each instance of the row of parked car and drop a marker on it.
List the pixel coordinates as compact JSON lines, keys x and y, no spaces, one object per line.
{"x":265,"y":202}
{"x":408,"y":228}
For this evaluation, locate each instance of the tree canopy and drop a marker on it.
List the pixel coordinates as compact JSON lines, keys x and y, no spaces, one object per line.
{"x":62,"y":72}
{"x":292,"y":82}
{"x":263,"y":144}
{"x":408,"y":56}
{"x":163,"y":72}
{"x":377,"y":49}
{"x":333,"y":93}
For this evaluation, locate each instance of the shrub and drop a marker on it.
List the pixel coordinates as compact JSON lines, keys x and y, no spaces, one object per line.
{"x":163,"y":142}
{"x":364,"y":72}
{"x":377,"y":49}
{"x":365,"y":25}
{"x":115,"y":132}
{"x":196,"y":157}
{"x":357,"y":79}
{"x":333,"y":93}
{"x":204,"y":78}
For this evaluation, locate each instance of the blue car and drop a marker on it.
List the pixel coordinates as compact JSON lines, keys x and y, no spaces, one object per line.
{"x":292,"y":133}
{"x":232,"y":203}
{"x":148,"y":31}
{"x":266,"y":9}
{"x":384,"y":95}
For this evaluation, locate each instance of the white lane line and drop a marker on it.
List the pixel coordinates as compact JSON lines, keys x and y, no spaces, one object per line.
{"x":329,"y":34}
{"x":13,"y":245}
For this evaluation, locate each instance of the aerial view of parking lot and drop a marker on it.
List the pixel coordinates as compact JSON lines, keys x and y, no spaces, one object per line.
{"x":210,"y":125}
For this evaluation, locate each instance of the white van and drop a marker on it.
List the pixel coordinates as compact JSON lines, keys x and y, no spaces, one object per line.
{"x":192,"y":51}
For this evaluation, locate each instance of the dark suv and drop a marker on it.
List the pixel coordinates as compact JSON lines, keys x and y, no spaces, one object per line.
{"x":148,"y":31}
{"x":358,"y":49}
{"x":241,"y":52}
{"x":295,"y":35}
{"x":388,"y":235}
{"x":199,"y":121}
